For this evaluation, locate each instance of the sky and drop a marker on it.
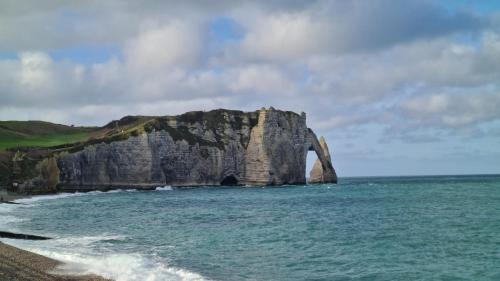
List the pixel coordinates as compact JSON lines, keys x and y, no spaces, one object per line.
{"x":396,"y":87}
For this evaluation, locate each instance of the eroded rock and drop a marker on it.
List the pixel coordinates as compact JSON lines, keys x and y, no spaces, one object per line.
{"x":323,"y":171}
{"x":220,"y":147}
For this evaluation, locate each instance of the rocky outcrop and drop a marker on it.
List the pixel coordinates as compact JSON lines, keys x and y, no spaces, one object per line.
{"x":322,"y":171}
{"x":220,"y":147}
{"x":277,"y":150}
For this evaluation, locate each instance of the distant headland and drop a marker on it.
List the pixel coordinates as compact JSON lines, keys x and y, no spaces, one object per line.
{"x":218,"y":147}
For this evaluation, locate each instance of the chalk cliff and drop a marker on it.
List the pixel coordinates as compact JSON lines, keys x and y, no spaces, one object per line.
{"x":219,"y":147}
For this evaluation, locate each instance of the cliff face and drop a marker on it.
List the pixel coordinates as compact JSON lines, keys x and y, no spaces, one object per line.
{"x":221,"y":147}
{"x":277,"y":150}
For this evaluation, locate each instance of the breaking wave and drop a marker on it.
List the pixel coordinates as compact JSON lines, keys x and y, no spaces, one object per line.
{"x":91,"y":254}
{"x":117,"y":266}
{"x":54,"y":196}
{"x":121,"y":267}
{"x":164,"y":188}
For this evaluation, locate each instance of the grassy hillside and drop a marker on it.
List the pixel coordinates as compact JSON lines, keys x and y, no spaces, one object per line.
{"x":39,"y":134}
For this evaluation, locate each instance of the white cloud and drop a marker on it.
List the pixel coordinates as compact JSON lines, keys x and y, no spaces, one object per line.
{"x":340,"y":27}
{"x":169,"y":45}
{"x":343,"y":121}
{"x":345,"y":63}
{"x":35,"y":70}
{"x":259,"y":79}
{"x":365,"y":72}
{"x":285,"y":36}
{"x":453,"y":110}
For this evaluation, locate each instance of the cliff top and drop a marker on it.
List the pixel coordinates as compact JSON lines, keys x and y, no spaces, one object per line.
{"x":37,"y":139}
{"x":33,"y":135}
{"x":15,"y":134}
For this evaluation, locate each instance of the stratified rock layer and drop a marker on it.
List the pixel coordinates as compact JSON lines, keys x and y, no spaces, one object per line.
{"x":220,"y":147}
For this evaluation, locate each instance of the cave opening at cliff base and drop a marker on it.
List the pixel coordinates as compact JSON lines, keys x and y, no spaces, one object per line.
{"x":230,"y":180}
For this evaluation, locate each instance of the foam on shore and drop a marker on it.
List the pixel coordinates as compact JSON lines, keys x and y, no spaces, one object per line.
{"x":80,"y":256}
{"x":37,"y":198}
{"x":121,"y":267}
{"x":164,"y":188}
{"x":80,"y":260}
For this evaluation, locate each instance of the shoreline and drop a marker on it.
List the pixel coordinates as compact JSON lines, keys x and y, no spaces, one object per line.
{"x":21,"y":265}
{"x":10,"y":197}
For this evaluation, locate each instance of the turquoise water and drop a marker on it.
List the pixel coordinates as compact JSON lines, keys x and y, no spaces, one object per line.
{"x":406,"y":228}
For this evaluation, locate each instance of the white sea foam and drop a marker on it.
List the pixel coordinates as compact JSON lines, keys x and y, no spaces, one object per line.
{"x":8,"y":222}
{"x":80,"y":257}
{"x":10,"y":219}
{"x":65,"y":195}
{"x":7,"y":219}
{"x":84,"y":240}
{"x":85,"y":255}
{"x":120,"y":267}
{"x":114,"y":191}
{"x":7,"y":208}
{"x":54,"y":196}
{"x":164,"y":188}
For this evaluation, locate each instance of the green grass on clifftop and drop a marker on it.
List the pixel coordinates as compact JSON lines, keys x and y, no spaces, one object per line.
{"x":38,"y":134}
{"x":32,"y":134}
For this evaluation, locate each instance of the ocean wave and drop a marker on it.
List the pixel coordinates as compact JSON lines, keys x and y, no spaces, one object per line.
{"x":119,"y":267}
{"x":11,"y":219}
{"x":8,"y":221}
{"x":81,"y":257}
{"x":37,"y":198}
{"x":123,"y":267}
{"x":7,"y":208}
{"x":54,"y":196}
{"x":69,"y":242}
{"x":114,"y":191}
{"x":164,"y":188}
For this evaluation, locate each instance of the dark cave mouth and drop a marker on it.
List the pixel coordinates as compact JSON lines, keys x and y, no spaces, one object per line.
{"x":229,"y":181}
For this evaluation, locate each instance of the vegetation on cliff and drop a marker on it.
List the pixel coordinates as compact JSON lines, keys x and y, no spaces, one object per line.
{"x":15,"y":134}
{"x":189,"y":149}
{"x":36,"y":140}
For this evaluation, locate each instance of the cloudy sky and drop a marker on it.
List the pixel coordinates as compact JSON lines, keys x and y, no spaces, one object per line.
{"x":397,"y":87}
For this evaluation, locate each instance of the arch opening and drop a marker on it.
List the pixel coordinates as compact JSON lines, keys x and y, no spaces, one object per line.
{"x":310,"y":160}
{"x":230,"y":180}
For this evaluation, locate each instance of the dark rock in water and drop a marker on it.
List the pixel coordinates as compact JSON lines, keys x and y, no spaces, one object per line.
{"x":4,"y":234}
{"x":9,"y":202}
{"x":219,"y":147}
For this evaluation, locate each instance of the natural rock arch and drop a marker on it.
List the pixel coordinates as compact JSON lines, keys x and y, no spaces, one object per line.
{"x":228,"y":147}
{"x":322,"y":171}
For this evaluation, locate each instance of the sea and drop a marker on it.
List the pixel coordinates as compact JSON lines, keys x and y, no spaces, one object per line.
{"x":373,"y":228}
